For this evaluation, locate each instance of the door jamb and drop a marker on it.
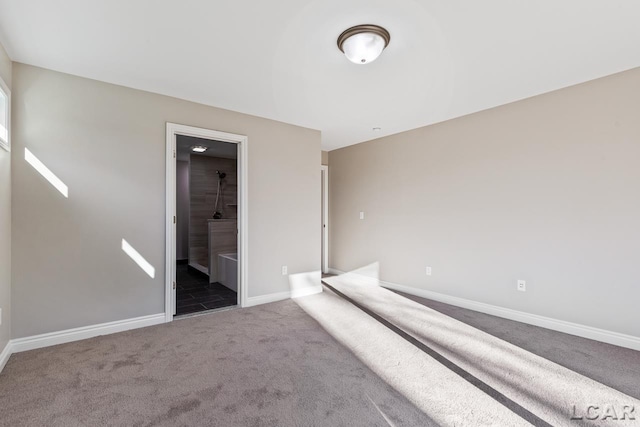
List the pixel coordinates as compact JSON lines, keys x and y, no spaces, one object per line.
{"x":325,"y":218}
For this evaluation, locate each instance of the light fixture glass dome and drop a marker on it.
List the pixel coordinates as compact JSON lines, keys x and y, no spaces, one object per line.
{"x":364,"y":43}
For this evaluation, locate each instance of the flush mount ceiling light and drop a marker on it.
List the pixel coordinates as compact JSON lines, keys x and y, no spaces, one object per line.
{"x":363,"y":43}
{"x":198,"y":149}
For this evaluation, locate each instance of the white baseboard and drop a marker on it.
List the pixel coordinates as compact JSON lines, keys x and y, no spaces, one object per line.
{"x":610,"y":337}
{"x":4,"y":356}
{"x":76,"y":334}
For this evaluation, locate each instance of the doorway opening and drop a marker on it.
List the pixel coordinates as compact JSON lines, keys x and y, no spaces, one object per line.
{"x":206,"y":224}
{"x":206,"y":220}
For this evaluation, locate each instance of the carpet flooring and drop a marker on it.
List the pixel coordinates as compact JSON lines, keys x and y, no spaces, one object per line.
{"x":322,"y":360}
{"x":616,"y":367}
{"x":270,"y":365}
{"x":533,"y":387}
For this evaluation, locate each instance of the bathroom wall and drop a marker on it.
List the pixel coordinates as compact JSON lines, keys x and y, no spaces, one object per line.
{"x":546,"y":190}
{"x":182,"y":210}
{"x":107,"y":144}
{"x":203,"y":188}
{"x":5,"y":222}
{"x":325,"y":158}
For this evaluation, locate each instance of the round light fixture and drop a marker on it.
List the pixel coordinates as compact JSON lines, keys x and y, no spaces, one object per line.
{"x":198,"y":149}
{"x":363,"y":43}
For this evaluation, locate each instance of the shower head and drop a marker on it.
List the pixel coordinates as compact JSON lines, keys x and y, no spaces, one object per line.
{"x":221,"y":174}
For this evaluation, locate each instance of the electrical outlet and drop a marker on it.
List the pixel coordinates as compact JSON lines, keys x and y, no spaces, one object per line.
{"x":428,"y":271}
{"x":284,"y":270}
{"x":361,"y":215}
{"x":522,"y":286}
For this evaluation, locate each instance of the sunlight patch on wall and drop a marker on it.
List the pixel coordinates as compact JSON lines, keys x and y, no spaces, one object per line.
{"x":303,"y":284}
{"x":46,"y":172}
{"x":138,"y":259}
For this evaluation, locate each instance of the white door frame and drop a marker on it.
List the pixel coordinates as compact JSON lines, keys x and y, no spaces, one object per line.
{"x":325,"y":218}
{"x":173,"y":130}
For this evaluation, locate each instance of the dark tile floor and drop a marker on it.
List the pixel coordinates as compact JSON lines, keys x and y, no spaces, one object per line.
{"x":194,"y":293}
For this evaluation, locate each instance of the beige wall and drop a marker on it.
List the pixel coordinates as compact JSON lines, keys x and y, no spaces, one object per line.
{"x":325,"y":158}
{"x":107,"y":143}
{"x":546,"y":190}
{"x":5,"y":221}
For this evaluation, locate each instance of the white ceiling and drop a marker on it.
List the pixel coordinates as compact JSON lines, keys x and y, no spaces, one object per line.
{"x":278,"y":59}
{"x":225,"y":150}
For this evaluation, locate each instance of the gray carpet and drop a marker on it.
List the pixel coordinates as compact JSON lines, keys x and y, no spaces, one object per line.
{"x":445,"y":397}
{"x":269,"y":365}
{"x":317,"y":361}
{"x":535,"y":388}
{"x":616,"y":367}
